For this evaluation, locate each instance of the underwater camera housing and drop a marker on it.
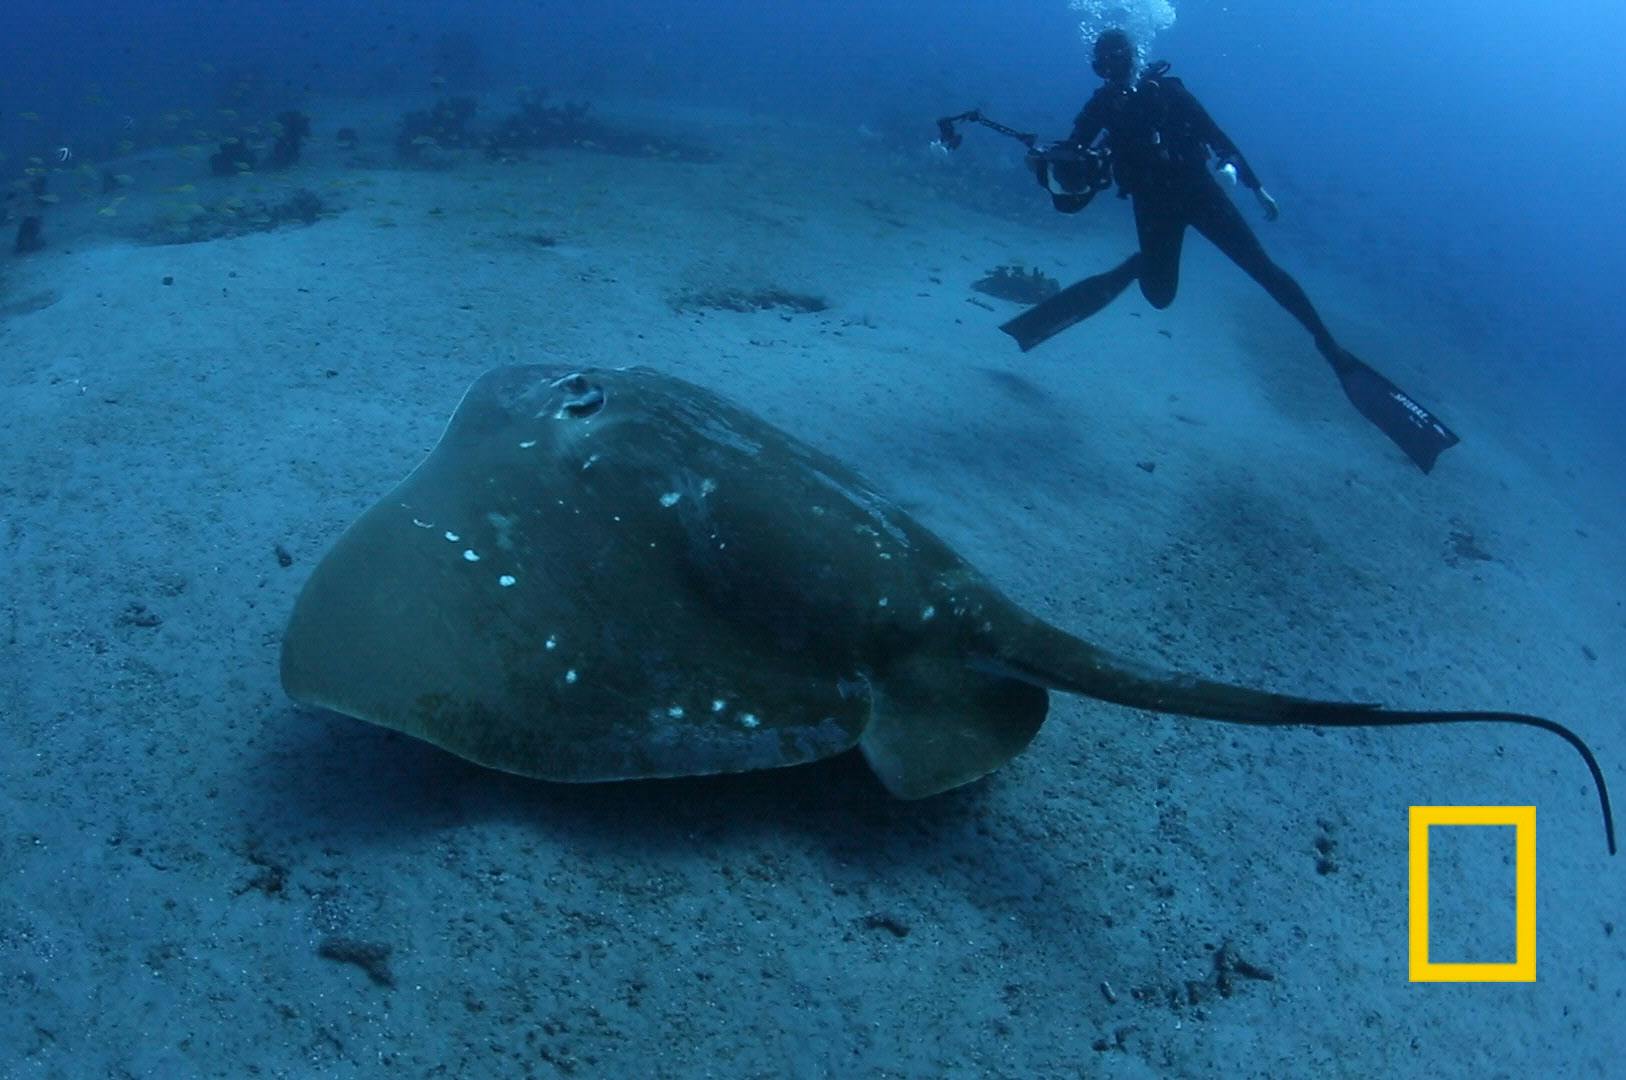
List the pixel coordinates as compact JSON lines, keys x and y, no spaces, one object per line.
{"x":1072,"y":174}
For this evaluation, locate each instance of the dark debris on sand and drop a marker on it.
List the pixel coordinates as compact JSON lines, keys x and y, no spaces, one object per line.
{"x":370,"y":956}
{"x":532,"y":125}
{"x":1017,"y":285}
{"x":229,"y":219}
{"x":748,"y":300}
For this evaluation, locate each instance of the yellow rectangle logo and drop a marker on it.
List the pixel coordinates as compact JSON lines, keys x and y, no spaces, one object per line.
{"x":1523,"y":821}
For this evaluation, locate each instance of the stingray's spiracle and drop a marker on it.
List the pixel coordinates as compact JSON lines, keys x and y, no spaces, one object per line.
{"x":586,"y":398}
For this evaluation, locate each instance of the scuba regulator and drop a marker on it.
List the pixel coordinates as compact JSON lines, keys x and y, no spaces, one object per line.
{"x":1072,"y":174}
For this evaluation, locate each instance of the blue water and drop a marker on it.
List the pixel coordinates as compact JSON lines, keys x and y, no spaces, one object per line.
{"x":1473,"y":147}
{"x":1478,"y":145}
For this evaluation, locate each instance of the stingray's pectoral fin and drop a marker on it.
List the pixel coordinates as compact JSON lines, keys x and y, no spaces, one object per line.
{"x":936,"y":724}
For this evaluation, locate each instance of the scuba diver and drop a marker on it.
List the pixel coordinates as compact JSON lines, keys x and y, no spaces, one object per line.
{"x":1158,"y":140}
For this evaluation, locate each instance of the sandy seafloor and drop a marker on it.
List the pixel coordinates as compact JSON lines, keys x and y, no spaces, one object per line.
{"x":177,"y":840}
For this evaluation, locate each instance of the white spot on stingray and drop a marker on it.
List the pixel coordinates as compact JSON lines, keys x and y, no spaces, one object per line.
{"x":470,"y":555}
{"x":884,"y":555}
{"x":884,"y":601}
{"x":423,"y":524}
{"x":588,"y":464}
{"x":453,"y":537}
{"x":507,"y":580}
{"x":670,"y":499}
{"x":707,"y":486}
{"x":551,"y":644}
{"x":718,"y":704}
{"x":527,"y":444}
{"x":675,"y":712}
{"x":615,"y":517}
{"x":927,"y":613}
{"x":570,"y":676}
{"x":749,"y":719}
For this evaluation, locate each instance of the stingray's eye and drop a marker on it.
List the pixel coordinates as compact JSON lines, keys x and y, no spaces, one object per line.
{"x":581,"y":397}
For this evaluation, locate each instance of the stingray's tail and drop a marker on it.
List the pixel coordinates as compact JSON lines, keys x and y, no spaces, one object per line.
{"x":1048,"y":657}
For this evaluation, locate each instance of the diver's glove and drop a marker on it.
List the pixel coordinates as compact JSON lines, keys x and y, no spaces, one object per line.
{"x":1272,"y":211}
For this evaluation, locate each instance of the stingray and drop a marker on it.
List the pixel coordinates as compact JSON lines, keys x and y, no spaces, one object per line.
{"x":615,"y":574}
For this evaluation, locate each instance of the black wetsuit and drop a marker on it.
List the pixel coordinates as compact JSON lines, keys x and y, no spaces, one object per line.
{"x":1161,"y":140}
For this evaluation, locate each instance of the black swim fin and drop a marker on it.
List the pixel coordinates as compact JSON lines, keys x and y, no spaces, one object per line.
{"x":1077,"y":302}
{"x":1396,"y":413}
